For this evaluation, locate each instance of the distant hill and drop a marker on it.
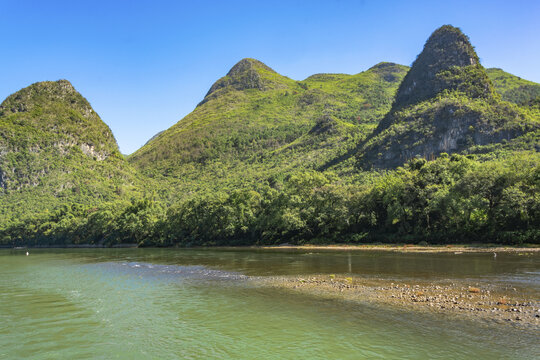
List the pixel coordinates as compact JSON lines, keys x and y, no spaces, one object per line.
{"x":255,"y":125}
{"x":445,"y":104}
{"x":513,"y":88}
{"x":54,"y":150}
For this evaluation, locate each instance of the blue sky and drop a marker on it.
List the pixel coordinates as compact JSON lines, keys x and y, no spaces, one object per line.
{"x":143,"y":65}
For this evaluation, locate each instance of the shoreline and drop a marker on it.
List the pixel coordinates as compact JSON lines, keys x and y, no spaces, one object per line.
{"x":459,"y":248}
{"x":403,"y":248}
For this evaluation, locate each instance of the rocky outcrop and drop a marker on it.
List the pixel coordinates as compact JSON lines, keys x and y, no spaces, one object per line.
{"x":446,"y":133}
{"x":90,"y":150}
{"x":445,"y":104}
{"x":439,"y":67}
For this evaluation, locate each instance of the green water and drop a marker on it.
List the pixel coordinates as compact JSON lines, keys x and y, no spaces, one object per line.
{"x":200,"y":304}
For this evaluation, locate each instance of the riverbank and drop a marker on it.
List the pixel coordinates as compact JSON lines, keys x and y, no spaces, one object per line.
{"x":477,"y":301}
{"x":70,"y":246}
{"x":457,"y":249}
{"x":461,"y":248}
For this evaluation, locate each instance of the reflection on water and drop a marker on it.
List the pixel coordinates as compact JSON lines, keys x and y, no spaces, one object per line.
{"x":198,"y":304}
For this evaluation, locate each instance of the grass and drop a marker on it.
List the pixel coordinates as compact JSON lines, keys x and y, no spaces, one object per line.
{"x":513,"y":88}
{"x":243,"y":137}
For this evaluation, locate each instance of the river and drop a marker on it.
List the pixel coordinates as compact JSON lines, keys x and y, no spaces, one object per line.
{"x":204,"y":304}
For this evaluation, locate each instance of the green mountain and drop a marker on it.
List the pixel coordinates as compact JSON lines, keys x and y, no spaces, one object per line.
{"x":513,"y":88}
{"x":264,"y":159}
{"x":255,"y":125}
{"x":445,"y":104}
{"x":55,"y":150}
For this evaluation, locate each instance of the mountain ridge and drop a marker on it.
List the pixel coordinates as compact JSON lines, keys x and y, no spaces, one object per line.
{"x":294,"y":124}
{"x":266,"y":159}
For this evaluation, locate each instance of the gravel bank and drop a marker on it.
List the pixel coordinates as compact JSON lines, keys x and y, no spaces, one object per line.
{"x":479,"y":301}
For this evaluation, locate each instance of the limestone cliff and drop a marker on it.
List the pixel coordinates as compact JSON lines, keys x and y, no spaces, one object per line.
{"x":446,"y":103}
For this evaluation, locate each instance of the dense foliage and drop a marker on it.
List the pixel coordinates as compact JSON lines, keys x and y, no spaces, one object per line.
{"x":453,"y":199}
{"x":265,"y":159}
{"x":256,"y":125}
{"x":55,"y":150}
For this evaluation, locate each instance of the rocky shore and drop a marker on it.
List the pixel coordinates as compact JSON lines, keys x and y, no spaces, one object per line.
{"x":487,"y":302}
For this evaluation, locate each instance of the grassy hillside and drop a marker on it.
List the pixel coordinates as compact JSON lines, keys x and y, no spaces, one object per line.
{"x":55,"y":150}
{"x":255,"y":126}
{"x":513,"y":88}
{"x":264,"y":159}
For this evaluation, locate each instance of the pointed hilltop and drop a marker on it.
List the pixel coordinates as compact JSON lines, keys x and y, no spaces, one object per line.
{"x":54,"y":146}
{"x":61,"y":114}
{"x":248,"y":74}
{"x":445,"y":104}
{"x":447,"y":62}
{"x":44,"y":93}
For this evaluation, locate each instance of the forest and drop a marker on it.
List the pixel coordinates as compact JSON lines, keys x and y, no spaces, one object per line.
{"x":453,"y":199}
{"x":441,"y":152}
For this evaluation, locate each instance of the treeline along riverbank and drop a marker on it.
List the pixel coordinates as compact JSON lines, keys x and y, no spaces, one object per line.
{"x":454,"y":199}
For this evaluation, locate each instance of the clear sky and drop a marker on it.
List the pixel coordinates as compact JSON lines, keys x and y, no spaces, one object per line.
{"x":143,"y":65}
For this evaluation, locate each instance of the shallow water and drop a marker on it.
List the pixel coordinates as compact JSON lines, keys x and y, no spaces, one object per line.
{"x":201,"y":304}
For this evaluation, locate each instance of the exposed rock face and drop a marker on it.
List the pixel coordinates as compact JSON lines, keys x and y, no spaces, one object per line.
{"x":90,"y":150}
{"x":448,"y":131}
{"x":446,"y":103}
{"x":2,"y":180}
{"x":446,"y":50}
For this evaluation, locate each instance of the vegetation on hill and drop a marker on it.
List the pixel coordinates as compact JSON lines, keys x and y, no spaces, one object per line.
{"x":257,"y":127}
{"x":513,"y":88}
{"x":55,"y":150}
{"x":453,"y":199}
{"x":264,"y":159}
{"x":445,"y":104}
